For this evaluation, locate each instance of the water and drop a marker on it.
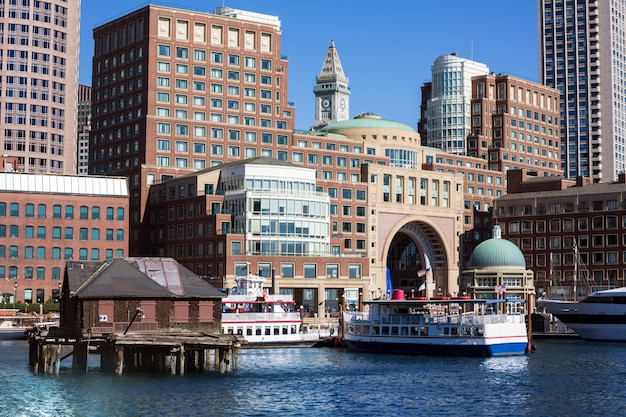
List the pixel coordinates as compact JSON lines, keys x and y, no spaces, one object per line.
{"x":562,"y":378}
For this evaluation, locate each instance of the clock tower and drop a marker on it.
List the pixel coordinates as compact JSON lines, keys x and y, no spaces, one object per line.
{"x":332,"y":95}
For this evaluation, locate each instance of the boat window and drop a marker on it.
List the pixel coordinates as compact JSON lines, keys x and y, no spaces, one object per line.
{"x":478,"y":331}
{"x":415,"y":331}
{"x":258,"y":331}
{"x":249,"y":331}
{"x":268,"y":331}
{"x":276,"y":331}
{"x":424,"y":331}
{"x":385,"y":330}
{"x":446,"y":331}
{"x":293,"y":329}
{"x":404,"y":331}
{"x":394,"y":331}
{"x":455,"y":331}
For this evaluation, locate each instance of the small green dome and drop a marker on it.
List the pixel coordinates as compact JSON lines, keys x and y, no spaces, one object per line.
{"x":497,"y":252}
{"x":367,"y":120}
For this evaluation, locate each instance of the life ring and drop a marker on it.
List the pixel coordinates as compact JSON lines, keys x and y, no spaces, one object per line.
{"x":264,"y":293}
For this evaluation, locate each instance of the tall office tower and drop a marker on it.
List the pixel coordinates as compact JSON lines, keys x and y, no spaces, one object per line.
{"x":581,"y":52}
{"x":84,"y":127}
{"x":332,"y":95}
{"x":39,"y":76}
{"x":448,"y":108}
{"x":175,"y":91}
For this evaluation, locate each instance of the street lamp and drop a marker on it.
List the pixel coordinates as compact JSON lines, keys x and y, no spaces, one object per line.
{"x":14,"y":293}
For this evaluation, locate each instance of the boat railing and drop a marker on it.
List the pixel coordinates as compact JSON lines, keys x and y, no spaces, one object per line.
{"x":242,"y":298}
{"x":464,"y":319}
{"x":265,"y":316}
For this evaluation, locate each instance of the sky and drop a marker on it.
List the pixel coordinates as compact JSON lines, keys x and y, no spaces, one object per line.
{"x":386,"y":48}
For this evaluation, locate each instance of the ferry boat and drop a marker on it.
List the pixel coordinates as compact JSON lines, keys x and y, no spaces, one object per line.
{"x":266,"y":320}
{"x":600,"y":316}
{"x":444,"y":326}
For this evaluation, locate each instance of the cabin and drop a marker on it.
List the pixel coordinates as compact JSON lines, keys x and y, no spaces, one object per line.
{"x":137,"y":295}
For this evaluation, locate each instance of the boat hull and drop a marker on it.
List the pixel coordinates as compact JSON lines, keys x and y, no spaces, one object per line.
{"x":436,"y":347}
{"x":13,"y":334}
{"x":590,"y":321}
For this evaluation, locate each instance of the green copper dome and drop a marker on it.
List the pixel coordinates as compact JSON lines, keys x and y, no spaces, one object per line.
{"x":496,"y":252}
{"x":367,"y":120}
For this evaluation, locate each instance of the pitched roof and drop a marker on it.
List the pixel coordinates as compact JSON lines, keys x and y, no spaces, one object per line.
{"x":136,"y":278}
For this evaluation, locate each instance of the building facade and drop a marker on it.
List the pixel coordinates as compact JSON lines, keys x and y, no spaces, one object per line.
{"x":84,"y":127}
{"x":325,"y":222}
{"x":85,"y":219}
{"x":572,"y":233}
{"x":581,"y":53}
{"x":176,"y":91}
{"x":514,"y":124}
{"x":448,"y":107}
{"x":39,"y":77}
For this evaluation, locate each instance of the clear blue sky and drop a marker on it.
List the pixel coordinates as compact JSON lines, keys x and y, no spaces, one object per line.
{"x":386,"y":47}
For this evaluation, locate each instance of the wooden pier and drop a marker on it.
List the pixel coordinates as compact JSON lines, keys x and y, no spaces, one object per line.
{"x":174,"y":353}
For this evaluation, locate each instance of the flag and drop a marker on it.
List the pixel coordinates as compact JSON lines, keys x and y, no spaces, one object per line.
{"x":421,"y":273}
{"x":422,"y":287}
{"x":431,"y":286}
{"x":389,"y":283}
{"x":498,"y":289}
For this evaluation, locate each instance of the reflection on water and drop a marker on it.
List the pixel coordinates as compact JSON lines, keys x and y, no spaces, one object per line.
{"x":559,"y":379}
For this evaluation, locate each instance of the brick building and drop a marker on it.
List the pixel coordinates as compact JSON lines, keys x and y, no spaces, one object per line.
{"x":572,"y":233}
{"x":175,"y":91}
{"x":46,"y":220}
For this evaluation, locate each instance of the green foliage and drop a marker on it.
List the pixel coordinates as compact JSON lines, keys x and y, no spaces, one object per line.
{"x":30,"y":308}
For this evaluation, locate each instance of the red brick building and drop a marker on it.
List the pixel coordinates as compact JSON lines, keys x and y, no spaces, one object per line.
{"x":175,"y":91}
{"x":572,"y":233}
{"x":46,"y":220}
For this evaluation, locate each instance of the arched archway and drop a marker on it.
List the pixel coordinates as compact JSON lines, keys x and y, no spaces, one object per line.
{"x":406,"y":257}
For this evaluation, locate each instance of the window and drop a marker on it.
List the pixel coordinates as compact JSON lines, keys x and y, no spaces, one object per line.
{"x":310,"y":271}
{"x":164,"y":50}
{"x":182,"y":53}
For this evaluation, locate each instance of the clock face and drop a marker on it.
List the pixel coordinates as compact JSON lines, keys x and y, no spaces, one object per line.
{"x":342,"y":103}
{"x":326,"y":103}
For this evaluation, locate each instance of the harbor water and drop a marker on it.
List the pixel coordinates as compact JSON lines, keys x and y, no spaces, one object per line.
{"x":561,"y":378}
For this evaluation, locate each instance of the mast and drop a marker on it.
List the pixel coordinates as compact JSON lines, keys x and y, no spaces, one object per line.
{"x":575,"y":267}
{"x":550,"y":288}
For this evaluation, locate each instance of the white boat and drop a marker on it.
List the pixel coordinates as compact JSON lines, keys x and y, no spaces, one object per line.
{"x":10,"y":330}
{"x":263,"y":319}
{"x":461,"y":326}
{"x":600,"y":316}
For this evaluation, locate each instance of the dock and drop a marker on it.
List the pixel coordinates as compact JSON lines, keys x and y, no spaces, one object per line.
{"x":176,"y":353}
